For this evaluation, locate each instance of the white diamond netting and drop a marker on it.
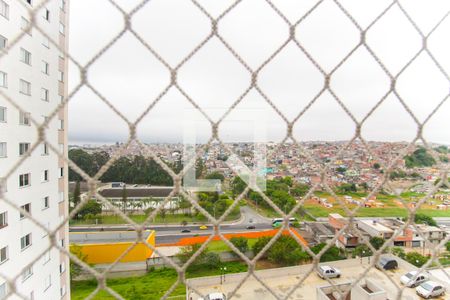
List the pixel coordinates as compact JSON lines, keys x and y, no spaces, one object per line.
{"x":253,"y":86}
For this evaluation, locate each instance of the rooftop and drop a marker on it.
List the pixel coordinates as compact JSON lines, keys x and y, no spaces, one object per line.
{"x":376,"y":225}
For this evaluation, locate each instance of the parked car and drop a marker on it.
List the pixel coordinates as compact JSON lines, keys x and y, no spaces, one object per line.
{"x":328,"y":272}
{"x":430,"y":289}
{"x":386,"y":263}
{"x":411,"y":279}
{"x":214,"y":296}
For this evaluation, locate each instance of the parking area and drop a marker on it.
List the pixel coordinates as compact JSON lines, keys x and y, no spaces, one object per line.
{"x":282,"y":280}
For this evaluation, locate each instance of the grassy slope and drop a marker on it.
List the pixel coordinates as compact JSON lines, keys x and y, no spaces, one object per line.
{"x":150,"y":286}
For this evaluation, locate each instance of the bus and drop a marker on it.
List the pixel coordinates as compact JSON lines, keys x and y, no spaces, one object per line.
{"x":278,"y":221}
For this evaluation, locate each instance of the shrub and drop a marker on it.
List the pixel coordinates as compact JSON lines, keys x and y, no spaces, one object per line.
{"x":211,"y":260}
{"x":363,"y":251}
{"x":286,"y":251}
{"x":241,"y":243}
{"x":260,"y":244}
{"x":333,"y":253}
{"x":416,"y":259}
{"x":376,"y":242}
{"x":398,"y":252}
{"x":447,"y":246}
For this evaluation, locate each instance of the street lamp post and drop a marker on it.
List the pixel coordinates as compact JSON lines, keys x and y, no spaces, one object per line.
{"x":222,"y":274}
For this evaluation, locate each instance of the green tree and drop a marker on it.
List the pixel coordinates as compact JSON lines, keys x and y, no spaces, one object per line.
{"x":238,"y":186}
{"x":211,"y":260}
{"x":260,"y":244}
{"x":241,"y":243}
{"x":332,"y":254}
{"x":347,"y":188}
{"x":215,"y":175}
{"x":376,"y":166}
{"x":419,"y":158}
{"x":76,"y":194}
{"x":363,"y":251}
{"x":424,"y":219}
{"x":285,"y":251}
{"x":447,"y":246}
{"x":83,"y":160}
{"x":376,"y":242}
{"x":76,"y":269}
{"x":187,"y":252}
{"x":91,"y":207}
{"x":299,"y":190}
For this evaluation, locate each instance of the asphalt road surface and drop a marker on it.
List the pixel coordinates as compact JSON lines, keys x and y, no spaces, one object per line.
{"x":166,"y":234}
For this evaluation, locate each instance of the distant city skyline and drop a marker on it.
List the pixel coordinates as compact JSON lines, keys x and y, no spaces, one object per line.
{"x":130,"y":77}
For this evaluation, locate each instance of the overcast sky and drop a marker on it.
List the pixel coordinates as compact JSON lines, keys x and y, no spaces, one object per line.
{"x":130,"y":77}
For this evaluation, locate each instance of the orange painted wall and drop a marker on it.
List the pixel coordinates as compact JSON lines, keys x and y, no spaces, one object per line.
{"x":109,"y":252}
{"x":250,"y":235}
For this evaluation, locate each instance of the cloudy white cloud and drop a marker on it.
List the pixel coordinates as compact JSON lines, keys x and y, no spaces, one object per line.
{"x":131,"y":78}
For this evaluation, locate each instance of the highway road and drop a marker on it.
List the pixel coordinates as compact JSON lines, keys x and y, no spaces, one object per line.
{"x":166,"y":234}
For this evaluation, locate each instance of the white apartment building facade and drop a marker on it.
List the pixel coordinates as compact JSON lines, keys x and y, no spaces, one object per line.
{"x":33,"y":74}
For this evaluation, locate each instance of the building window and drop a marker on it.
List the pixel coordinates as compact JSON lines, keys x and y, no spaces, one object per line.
{"x":24,"y":25}
{"x":46,"y":42}
{"x":45,"y":68}
{"x":61,"y":196}
{"x":27,"y":208}
{"x":62,"y":243}
{"x":62,"y":5}
{"x":4,"y":9}
{"x":61,"y":76}
{"x":46,"y":257}
{"x":24,"y":180}
{"x":23,"y":148}
{"x":62,"y":268}
{"x":47,"y":282}
{"x":27,"y":273}
{"x":3,"y":219}
{"x":61,"y":28}
{"x":45,"y":176}
{"x":44,"y":149}
{"x":32,"y":295}
{"x":45,"y":94}
{"x":25,"y":56}
{"x":47,"y":14}
{"x":25,"y":87}
{"x":3,"y":254}
{"x":3,"y":149}
{"x":2,"y":114}
{"x":24,"y":118}
{"x":61,"y":124}
{"x":61,"y":172}
{"x":25,"y":241}
{"x":63,"y":290}
{"x":46,"y":202}
{"x":3,"y":41}
{"x":3,"y":79}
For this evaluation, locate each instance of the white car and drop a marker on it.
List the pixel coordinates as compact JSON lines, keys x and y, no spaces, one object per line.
{"x":411,"y":279}
{"x":328,"y":272}
{"x":430,"y":289}
{"x":214,"y":296}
